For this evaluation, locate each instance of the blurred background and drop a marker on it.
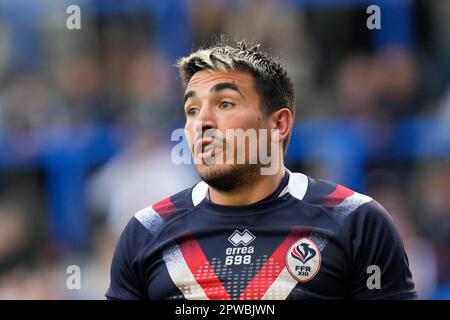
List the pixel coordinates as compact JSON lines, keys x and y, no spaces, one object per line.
{"x":86,"y":117}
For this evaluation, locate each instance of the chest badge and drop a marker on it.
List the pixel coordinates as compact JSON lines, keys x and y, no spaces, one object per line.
{"x":303,"y":259}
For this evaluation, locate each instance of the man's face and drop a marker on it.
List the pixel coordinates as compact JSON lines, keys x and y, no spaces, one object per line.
{"x":215,"y":102}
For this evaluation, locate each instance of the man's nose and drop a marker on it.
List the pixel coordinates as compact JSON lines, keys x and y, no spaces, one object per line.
{"x":207,"y":118}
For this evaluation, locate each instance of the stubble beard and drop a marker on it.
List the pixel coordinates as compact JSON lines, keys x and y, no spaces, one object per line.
{"x":228,"y":177}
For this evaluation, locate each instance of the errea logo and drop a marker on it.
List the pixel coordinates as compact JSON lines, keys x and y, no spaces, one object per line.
{"x":243,"y":238}
{"x":238,"y":255}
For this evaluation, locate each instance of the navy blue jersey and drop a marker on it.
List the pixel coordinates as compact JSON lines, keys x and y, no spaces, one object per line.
{"x":310,"y":239}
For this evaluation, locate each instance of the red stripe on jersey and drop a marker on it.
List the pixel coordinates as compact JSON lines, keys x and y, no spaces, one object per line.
{"x":202,"y":271}
{"x":164,"y":208}
{"x":262,"y":281}
{"x":337,"y":196}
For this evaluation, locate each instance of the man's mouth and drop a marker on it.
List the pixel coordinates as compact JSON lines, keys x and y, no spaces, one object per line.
{"x":206,"y":148}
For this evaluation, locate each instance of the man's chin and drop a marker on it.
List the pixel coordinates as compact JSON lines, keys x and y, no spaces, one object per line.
{"x":227,"y":177}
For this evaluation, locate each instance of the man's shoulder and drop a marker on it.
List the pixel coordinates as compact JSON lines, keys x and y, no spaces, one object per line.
{"x":330,"y":193}
{"x":155,"y":216}
{"x":318,"y":191}
{"x":338,"y":200}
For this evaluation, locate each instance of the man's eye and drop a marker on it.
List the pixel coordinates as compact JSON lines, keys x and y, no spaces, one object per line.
{"x":192,"y":111}
{"x":226,"y":105}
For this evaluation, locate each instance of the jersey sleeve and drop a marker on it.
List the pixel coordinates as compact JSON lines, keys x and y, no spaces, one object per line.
{"x":380,"y":267}
{"x":127,"y":279}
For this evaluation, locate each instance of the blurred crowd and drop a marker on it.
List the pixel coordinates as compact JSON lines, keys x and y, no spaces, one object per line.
{"x":86,"y":117}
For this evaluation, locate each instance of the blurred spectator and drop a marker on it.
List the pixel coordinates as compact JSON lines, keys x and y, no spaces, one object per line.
{"x":394,"y":74}
{"x":433,"y":188}
{"x":21,"y":273}
{"x":356,"y":88}
{"x":381,"y":86}
{"x":151,"y":83}
{"x":27,"y":104}
{"x":433,"y":184}
{"x":385,"y":187}
{"x":14,"y":243}
{"x":78,"y":80}
{"x":138,"y":177}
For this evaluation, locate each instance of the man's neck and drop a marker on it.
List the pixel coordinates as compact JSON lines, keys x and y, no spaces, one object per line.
{"x":248,"y":194}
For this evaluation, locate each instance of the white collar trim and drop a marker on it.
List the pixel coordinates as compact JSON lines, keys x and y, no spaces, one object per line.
{"x":199,"y":192}
{"x":297,"y":186}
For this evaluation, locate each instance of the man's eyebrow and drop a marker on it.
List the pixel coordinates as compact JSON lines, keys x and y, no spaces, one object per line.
{"x":225,"y":85}
{"x":188,"y":95}
{"x":215,"y":88}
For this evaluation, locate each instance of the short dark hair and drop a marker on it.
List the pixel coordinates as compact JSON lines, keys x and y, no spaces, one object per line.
{"x":272,"y":82}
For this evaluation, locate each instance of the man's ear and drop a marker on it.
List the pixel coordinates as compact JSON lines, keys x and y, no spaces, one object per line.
{"x":283,"y":121}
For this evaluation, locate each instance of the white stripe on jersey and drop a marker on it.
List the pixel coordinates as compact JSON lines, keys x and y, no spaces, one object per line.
{"x":281,"y":287}
{"x":350,"y":204}
{"x":150,"y":219}
{"x":181,"y":275}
